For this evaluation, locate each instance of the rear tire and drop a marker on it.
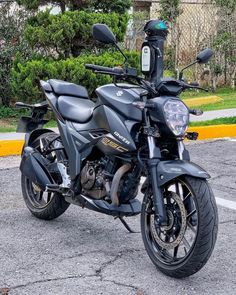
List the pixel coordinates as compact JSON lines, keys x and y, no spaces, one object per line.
{"x":54,"y":205}
{"x":204,"y":222}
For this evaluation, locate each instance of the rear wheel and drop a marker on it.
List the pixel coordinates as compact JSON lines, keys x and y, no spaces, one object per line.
{"x":43,"y":205}
{"x":181,"y":248}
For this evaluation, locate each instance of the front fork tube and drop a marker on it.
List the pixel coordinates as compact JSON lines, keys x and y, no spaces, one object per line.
{"x":154,"y":159}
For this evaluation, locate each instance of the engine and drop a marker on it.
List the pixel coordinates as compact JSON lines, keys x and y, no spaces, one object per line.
{"x":96,"y":177}
{"x":93,"y":180}
{"x":108,"y":179}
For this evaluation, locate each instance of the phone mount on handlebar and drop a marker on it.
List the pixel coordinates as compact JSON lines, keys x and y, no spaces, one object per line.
{"x":153,"y":50}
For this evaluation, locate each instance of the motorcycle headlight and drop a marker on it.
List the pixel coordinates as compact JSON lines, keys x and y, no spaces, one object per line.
{"x":177,"y":116}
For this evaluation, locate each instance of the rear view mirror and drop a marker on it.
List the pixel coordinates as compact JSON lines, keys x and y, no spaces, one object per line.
{"x":103,"y":34}
{"x":204,"y":56}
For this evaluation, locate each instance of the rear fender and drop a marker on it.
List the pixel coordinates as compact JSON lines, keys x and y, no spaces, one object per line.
{"x":30,"y":137}
{"x":34,"y":167}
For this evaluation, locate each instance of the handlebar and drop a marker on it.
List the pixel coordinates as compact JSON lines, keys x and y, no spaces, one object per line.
{"x":193,"y":86}
{"x":21,"y":105}
{"x":116,"y":71}
{"x":125,"y":74}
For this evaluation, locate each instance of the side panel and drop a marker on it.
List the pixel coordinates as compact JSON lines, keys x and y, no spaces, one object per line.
{"x":108,"y":131}
{"x":119,"y":139}
{"x":78,"y":139}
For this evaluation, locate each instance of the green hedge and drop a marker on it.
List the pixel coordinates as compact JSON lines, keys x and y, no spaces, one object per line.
{"x":26,"y":75}
{"x":69,"y":33}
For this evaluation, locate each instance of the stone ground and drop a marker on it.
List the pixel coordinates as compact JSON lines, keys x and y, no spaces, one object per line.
{"x":83,"y":252}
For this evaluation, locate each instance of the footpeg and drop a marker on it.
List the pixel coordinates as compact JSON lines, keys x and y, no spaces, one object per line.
{"x":52,"y":188}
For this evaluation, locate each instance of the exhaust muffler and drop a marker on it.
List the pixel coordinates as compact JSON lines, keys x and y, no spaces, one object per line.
{"x":34,"y":167}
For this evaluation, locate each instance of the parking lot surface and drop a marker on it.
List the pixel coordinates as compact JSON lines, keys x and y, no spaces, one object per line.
{"x":83,"y":252}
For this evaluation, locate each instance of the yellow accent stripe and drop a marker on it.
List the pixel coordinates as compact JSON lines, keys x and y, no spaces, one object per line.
{"x":214,"y":131}
{"x":198,"y":101}
{"x":11,"y":147}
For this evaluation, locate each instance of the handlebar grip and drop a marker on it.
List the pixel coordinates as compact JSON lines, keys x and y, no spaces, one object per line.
{"x":194,"y":84}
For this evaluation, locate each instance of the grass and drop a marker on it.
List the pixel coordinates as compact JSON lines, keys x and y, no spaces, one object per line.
{"x":9,"y":116}
{"x":9,"y":125}
{"x":228,"y":95}
{"x":219,"y":121}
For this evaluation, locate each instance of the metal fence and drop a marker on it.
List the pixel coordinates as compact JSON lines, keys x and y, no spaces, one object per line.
{"x":200,"y":24}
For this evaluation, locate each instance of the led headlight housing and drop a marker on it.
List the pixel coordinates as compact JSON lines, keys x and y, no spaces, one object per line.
{"x":177,"y":116}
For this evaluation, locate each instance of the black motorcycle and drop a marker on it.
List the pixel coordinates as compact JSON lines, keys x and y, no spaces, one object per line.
{"x":105,"y":150}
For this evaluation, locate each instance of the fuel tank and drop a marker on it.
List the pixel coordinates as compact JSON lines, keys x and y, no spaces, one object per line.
{"x":120,"y":99}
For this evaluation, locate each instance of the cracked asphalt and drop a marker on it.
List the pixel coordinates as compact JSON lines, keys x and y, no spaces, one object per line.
{"x":83,"y":252}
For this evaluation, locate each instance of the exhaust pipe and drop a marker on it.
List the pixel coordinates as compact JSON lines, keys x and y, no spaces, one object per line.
{"x":116,"y":181}
{"x":34,"y":167}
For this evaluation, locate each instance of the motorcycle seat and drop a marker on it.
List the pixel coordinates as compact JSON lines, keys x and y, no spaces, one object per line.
{"x":75,"y":109}
{"x":66,"y":88}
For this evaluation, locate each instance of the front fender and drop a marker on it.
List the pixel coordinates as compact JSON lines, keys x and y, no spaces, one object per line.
{"x":168,"y":170}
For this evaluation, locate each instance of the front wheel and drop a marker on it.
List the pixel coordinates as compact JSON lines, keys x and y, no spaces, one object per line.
{"x":181,"y":248}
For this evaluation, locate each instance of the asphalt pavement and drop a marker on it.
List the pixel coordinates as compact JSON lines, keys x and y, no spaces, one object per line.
{"x":83,"y":252}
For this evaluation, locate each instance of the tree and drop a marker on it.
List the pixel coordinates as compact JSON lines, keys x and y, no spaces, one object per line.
{"x":12,"y":22}
{"x":228,"y":4}
{"x":106,"y":6}
{"x":169,"y":12}
{"x":224,"y":41}
{"x":68,"y":34}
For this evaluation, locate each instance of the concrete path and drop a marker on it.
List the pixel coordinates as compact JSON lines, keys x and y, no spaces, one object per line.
{"x":16,"y":136}
{"x":210,"y":115}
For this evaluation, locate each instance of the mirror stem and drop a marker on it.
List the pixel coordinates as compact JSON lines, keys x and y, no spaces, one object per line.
{"x":181,"y":72}
{"x":125,"y":57}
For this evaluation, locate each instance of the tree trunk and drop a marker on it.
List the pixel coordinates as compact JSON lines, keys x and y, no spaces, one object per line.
{"x":233,"y":78}
{"x":63,"y":7}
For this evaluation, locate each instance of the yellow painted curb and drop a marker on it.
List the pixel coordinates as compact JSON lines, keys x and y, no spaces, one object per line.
{"x":214,"y":131}
{"x":198,"y":101}
{"x":14,"y":147}
{"x":11,"y":147}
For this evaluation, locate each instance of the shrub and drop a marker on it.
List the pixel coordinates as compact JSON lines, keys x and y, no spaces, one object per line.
{"x":26,"y":75}
{"x":12,"y":23}
{"x":69,"y":33}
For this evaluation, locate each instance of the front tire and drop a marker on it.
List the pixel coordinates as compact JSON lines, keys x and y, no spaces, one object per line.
{"x":184,"y":246}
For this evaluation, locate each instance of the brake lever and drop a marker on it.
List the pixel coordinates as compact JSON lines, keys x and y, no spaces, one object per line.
{"x":204,"y":89}
{"x":187,"y":86}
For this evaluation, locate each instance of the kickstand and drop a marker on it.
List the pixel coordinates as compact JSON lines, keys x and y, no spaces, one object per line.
{"x":126,"y":225}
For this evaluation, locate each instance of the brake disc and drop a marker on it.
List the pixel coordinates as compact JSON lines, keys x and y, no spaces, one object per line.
{"x":157,"y":231}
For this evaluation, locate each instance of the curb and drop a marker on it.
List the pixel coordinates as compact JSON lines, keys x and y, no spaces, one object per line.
{"x":14,"y":147}
{"x":214,"y":131}
{"x":199,"y":101}
{"x":11,"y":147}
